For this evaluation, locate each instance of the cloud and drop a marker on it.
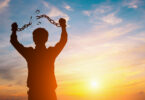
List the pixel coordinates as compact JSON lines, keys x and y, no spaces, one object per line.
{"x":98,"y":10}
{"x":4,"y":40}
{"x":13,"y":97}
{"x":88,"y":13}
{"x":10,"y":67}
{"x":3,"y":4}
{"x":103,"y":14}
{"x":132,"y":3}
{"x":94,"y":50}
{"x":138,"y":96}
{"x":111,"y":19}
{"x":5,"y":14}
{"x":67,"y":7}
{"x":54,"y":11}
{"x":6,"y":74}
{"x":88,"y":52}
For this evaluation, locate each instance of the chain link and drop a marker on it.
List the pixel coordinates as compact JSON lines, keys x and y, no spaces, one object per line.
{"x":49,"y":19}
{"x":25,"y":25}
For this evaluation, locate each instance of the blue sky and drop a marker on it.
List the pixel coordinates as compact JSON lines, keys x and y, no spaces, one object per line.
{"x":106,"y":40}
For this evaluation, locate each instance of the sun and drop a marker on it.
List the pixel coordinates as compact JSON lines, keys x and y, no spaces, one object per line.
{"x":94,"y":84}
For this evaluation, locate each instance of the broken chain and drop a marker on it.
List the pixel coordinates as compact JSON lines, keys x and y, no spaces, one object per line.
{"x":49,"y":19}
{"x":38,"y":17}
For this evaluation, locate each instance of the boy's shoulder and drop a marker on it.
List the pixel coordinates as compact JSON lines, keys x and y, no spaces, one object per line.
{"x":50,"y":48}
{"x":29,"y":48}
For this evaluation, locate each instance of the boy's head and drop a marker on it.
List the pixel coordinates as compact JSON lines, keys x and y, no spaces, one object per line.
{"x":40,"y":36}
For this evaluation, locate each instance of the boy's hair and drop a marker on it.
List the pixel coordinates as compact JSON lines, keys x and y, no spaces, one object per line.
{"x":40,"y":35}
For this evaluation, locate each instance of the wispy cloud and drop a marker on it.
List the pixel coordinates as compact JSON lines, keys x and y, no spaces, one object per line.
{"x":5,"y":14}
{"x":137,"y":96}
{"x":67,"y":7}
{"x":112,"y":19}
{"x":132,"y":3}
{"x":4,"y":4}
{"x":98,"y":10}
{"x":103,"y":14}
{"x":88,"y":13}
{"x":54,"y":11}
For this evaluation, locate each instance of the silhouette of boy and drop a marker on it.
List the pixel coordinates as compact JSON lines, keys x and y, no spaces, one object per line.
{"x":41,"y":78}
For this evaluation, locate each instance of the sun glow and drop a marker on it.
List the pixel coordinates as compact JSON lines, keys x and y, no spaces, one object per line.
{"x":94,"y":84}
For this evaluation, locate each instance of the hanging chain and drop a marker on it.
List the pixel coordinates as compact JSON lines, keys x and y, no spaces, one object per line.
{"x":49,"y":19}
{"x":25,"y":25}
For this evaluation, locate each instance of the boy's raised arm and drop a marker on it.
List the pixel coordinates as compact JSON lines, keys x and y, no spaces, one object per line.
{"x":14,"y":41}
{"x":60,"y":45}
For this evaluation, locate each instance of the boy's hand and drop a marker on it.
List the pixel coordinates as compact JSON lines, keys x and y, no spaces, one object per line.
{"x":14,"y":27}
{"x":62,"y":22}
